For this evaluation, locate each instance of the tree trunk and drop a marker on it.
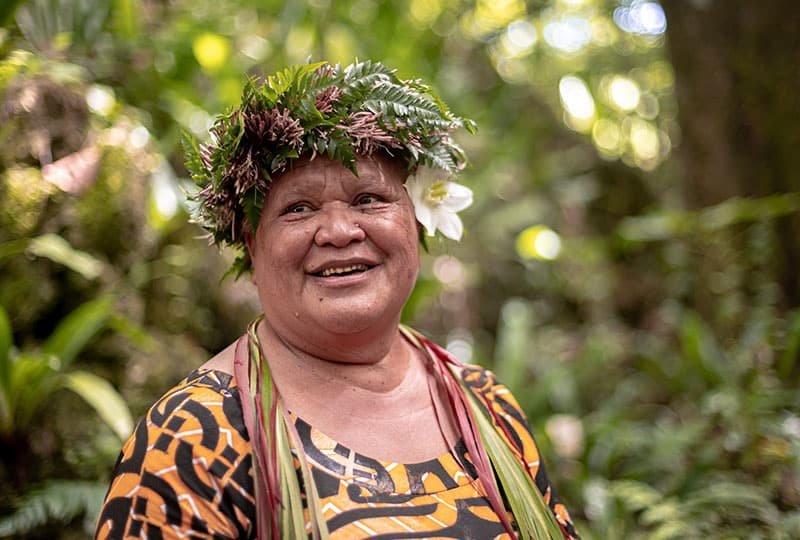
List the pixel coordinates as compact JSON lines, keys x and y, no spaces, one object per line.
{"x":737,"y":81}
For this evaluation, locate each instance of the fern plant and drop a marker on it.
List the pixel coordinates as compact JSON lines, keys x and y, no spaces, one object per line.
{"x":56,"y":500}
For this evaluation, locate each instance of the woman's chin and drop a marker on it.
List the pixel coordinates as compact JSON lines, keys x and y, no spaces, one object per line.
{"x":353,"y":320}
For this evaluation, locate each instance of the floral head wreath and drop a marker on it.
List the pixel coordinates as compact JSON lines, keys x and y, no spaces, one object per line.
{"x":342,"y":113}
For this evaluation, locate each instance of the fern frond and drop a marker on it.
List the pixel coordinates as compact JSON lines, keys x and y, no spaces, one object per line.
{"x":365,"y":70}
{"x":391,"y":93}
{"x":57,"y":500}
{"x":194,"y":163}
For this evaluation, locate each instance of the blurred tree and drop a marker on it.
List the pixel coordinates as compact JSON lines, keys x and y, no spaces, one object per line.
{"x":739,"y":100}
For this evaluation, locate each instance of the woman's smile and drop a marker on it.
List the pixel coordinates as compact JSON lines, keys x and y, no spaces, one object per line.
{"x":340,"y":277}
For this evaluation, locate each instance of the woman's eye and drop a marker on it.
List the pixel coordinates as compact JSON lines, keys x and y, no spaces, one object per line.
{"x":298,"y":208}
{"x":366,"y":199}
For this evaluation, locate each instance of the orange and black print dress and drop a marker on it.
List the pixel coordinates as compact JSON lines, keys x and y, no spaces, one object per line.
{"x":186,"y":472}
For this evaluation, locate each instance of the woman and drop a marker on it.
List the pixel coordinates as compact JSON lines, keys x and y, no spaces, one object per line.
{"x":327,"y":418}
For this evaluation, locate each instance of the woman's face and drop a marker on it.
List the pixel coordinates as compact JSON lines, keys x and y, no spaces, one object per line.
{"x":336,"y":255}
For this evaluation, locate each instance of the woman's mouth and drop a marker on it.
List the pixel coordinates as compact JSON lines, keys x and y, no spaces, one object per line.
{"x":343,"y":270}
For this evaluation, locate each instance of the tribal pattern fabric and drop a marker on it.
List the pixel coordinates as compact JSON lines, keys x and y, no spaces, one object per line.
{"x":187,"y":472}
{"x":187,"y":469}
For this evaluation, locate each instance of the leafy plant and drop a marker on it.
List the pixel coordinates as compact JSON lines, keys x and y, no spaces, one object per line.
{"x":30,"y":377}
{"x":56,"y":500}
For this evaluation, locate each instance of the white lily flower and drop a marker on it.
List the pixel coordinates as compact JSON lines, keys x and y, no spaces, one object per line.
{"x":437,"y":201}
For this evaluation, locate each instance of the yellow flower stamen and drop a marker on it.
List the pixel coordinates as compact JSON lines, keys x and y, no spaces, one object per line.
{"x":437,"y":193}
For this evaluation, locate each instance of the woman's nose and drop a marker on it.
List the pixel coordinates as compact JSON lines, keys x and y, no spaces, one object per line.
{"x":339,"y":227}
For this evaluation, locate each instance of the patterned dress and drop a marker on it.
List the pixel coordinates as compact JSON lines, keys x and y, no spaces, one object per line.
{"x":186,"y":472}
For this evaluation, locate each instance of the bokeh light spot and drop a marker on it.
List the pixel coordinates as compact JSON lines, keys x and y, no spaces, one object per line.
{"x":425,"y":12}
{"x":538,"y":242}
{"x":100,"y":100}
{"x":644,"y":139}
{"x":139,"y":137}
{"x":624,"y":93}
{"x":569,"y":34}
{"x":575,"y":97}
{"x":450,"y":272}
{"x":648,"y":107}
{"x":521,"y":36}
{"x":459,"y":344}
{"x":340,"y":44}
{"x":643,"y":18}
{"x":606,"y":136}
{"x":211,"y":50}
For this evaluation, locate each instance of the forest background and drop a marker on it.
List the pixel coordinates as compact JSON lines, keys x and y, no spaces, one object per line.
{"x":630,"y":266}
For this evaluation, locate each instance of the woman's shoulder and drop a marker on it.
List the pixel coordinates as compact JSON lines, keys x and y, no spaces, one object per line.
{"x":198,"y":407}
{"x":493,"y":393}
{"x":186,"y":467}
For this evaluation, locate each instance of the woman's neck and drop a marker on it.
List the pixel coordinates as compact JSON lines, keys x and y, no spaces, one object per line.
{"x":379,"y":367}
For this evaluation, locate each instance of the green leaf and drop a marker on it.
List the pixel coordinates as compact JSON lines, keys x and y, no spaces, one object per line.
{"x":57,"y":249}
{"x":319,"y":527}
{"x":292,"y":515}
{"x":108,"y":403}
{"x":57,"y":500}
{"x":734,"y":501}
{"x":30,"y":382}
{"x":126,"y":18}
{"x":78,"y":328}
{"x":534,"y":517}
{"x":635,"y":496}
{"x":193,"y":162}
{"x":668,"y":510}
{"x":701,"y":350}
{"x":136,"y":333}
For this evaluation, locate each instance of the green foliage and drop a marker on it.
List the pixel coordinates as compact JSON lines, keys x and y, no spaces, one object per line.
{"x":30,"y":377}
{"x":55,"y":501}
{"x":47,"y":23}
{"x":103,"y":398}
{"x":671,"y":223}
{"x":57,"y":249}
{"x":77,"y":329}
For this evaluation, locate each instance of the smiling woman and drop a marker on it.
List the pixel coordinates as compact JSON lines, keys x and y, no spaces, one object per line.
{"x":335,"y":253}
{"x":328,"y":419}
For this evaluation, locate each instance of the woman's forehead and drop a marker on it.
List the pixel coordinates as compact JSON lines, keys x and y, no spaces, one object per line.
{"x":316,"y":173}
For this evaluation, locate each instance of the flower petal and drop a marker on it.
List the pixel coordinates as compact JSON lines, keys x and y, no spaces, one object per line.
{"x":426,"y":217}
{"x":414,"y":187}
{"x":458,"y":197}
{"x":451,"y":226}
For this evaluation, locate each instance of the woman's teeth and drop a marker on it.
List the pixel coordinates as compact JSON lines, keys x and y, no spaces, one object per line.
{"x":343,"y":270}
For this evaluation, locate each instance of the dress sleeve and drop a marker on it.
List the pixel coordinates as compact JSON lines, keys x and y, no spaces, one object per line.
{"x":495,"y":395}
{"x":185,"y":472}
